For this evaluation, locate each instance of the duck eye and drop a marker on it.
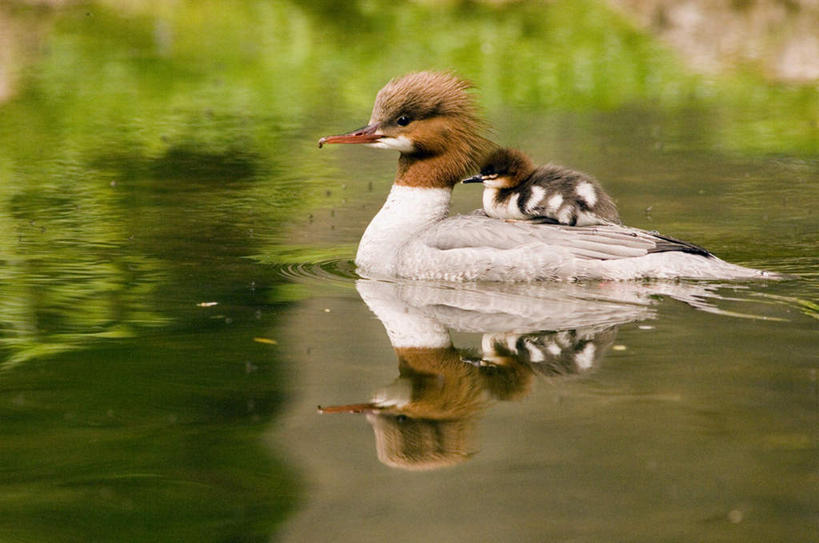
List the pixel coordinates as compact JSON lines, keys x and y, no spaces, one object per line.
{"x":403,"y":120}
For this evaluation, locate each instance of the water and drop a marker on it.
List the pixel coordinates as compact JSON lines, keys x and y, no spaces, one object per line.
{"x":177,"y":295}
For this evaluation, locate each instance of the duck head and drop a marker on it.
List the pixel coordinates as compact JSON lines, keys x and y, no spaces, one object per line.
{"x":503,"y":169}
{"x":431,"y":119}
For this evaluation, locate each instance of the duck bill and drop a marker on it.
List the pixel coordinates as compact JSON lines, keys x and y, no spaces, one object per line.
{"x":349,"y":408}
{"x":473,"y":179}
{"x":368,"y":134}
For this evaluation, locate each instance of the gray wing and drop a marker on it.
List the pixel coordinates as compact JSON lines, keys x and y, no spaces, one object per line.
{"x":599,"y":242}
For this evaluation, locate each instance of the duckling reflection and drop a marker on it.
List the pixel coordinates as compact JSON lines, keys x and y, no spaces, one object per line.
{"x":551,"y":354}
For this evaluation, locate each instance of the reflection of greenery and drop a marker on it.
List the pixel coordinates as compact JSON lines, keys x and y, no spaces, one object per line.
{"x":65,"y":277}
{"x":131,"y":443}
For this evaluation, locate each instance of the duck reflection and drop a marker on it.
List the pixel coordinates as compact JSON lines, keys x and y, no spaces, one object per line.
{"x":426,"y":419}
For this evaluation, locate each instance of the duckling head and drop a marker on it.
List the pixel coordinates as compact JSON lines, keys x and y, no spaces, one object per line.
{"x":432,"y":120}
{"x":503,"y":169}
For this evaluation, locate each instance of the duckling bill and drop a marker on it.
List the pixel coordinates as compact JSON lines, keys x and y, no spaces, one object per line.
{"x":514,"y":189}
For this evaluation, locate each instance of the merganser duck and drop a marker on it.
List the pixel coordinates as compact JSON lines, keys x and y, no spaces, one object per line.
{"x":514,"y":189}
{"x":431,"y":120}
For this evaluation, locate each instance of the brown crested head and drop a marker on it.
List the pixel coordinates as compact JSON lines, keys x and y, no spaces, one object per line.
{"x":510,"y":165}
{"x":424,"y":95}
{"x":434,"y":119}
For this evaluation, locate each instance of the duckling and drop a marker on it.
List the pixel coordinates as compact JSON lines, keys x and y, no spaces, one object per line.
{"x":514,"y":189}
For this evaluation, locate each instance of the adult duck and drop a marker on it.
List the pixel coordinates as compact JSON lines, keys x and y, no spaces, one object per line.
{"x":430,"y":118}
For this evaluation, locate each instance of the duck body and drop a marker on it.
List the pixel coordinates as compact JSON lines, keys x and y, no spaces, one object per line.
{"x":430,"y":119}
{"x":412,"y":237}
{"x":514,"y":189}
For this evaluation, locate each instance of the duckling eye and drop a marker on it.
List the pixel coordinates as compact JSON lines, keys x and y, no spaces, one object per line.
{"x":403,"y":120}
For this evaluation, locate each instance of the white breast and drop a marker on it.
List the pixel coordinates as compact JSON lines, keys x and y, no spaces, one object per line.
{"x":407,"y":212}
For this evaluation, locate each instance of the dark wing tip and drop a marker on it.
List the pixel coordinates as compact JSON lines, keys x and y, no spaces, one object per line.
{"x":666,"y":244}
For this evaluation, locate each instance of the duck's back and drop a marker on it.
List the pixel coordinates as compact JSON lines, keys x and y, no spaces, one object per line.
{"x":476,"y":247}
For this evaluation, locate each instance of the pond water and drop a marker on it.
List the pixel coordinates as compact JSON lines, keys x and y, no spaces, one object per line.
{"x":177,"y":292}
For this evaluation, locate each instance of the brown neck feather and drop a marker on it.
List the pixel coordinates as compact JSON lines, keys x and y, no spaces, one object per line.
{"x":442,"y":169}
{"x":439,"y":172}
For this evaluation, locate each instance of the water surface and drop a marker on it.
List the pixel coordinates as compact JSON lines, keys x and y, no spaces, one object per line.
{"x":177,"y":293}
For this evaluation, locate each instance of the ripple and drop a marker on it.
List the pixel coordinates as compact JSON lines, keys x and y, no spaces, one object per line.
{"x":333,"y":271}
{"x":772,"y":301}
